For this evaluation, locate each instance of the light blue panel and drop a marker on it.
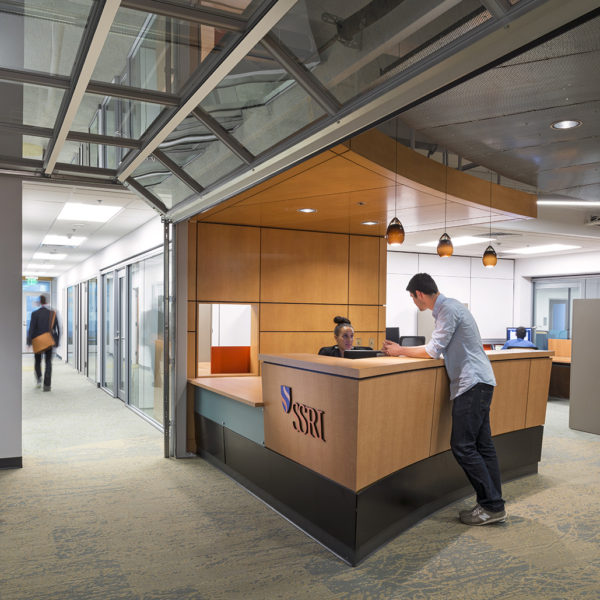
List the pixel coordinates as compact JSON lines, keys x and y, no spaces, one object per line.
{"x":241,"y":418}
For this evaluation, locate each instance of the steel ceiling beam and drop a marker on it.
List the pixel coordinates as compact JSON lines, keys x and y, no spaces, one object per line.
{"x":497,"y":8}
{"x":222,"y":134}
{"x":202,"y":16}
{"x":34,"y":78}
{"x":310,"y":84}
{"x":96,"y":33}
{"x":178,"y":171}
{"x":146,"y":196}
{"x":206,"y":83}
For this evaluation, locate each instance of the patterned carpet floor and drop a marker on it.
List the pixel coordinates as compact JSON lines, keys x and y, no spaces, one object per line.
{"x":96,"y":513}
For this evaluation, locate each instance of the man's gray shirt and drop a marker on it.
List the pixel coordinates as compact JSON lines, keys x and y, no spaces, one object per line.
{"x":456,"y":337}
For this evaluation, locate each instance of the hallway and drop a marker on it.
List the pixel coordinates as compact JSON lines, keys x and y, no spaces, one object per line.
{"x":97,"y":513}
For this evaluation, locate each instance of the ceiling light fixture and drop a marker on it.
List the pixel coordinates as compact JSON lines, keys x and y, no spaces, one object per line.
{"x":566,"y":124}
{"x":463,"y":240}
{"x":395,"y":231}
{"x":36,"y":267}
{"x":92,"y":213}
{"x":369,"y":223}
{"x":568,"y":203}
{"x":444,"y":247}
{"x":489,"y":258}
{"x":62,"y":240}
{"x":541,"y":249}
{"x":49,"y":256}
{"x":307,"y":210}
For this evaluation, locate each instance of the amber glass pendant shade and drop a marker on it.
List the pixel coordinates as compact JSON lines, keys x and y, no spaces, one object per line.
{"x":395,"y":232}
{"x":489,"y":257}
{"x":445,"y":247}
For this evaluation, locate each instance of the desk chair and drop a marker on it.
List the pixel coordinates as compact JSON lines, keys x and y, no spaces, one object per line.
{"x":412,"y":340}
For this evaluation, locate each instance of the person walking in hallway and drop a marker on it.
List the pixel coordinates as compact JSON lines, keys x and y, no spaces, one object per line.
{"x":42,"y":321}
{"x":472,"y":382}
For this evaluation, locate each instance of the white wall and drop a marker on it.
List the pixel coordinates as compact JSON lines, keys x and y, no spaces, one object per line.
{"x":584,"y":263}
{"x":10,"y":323}
{"x":487,"y":292}
{"x":147,"y":237}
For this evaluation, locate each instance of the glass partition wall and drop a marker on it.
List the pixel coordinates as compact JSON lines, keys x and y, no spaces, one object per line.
{"x":132,"y":327}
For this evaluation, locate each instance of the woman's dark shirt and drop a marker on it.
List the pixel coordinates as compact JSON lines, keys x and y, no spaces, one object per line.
{"x":330,"y":351}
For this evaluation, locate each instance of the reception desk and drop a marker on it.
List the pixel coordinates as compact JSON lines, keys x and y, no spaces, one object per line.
{"x":356,"y":451}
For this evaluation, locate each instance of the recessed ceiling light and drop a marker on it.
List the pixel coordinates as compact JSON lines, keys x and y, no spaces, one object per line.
{"x":369,"y":222}
{"x":464,"y":240}
{"x":49,"y":256}
{"x":541,"y":249}
{"x":307,"y":210}
{"x":567,"y":203}
{"x":567,"y":124}
{"x":36,"y":267}
{"x":62,"y":240}
{"x":92,"y":213}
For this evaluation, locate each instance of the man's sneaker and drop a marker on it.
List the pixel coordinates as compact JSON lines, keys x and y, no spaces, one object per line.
{"x":46,"y":388}
{"x":481,"y":516}
{"x":468,"y":511}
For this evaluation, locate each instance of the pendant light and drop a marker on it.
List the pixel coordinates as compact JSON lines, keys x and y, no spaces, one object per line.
{"x":445,"y":247}
{"x":395,"y":231}
{"x":489,"y":258}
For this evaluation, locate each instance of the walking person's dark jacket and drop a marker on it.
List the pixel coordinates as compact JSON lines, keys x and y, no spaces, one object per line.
{"x":40,"y":323}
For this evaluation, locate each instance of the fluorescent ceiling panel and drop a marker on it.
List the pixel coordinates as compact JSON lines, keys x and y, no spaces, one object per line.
{"x":541,"y":249}
{"x":62,"y":240}
{"x":464,"y":240}
{"x":49,"y":256}
{"x":92,"y":213}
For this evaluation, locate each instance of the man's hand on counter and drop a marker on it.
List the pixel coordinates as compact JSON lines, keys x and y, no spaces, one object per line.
{"x":392,"y":349}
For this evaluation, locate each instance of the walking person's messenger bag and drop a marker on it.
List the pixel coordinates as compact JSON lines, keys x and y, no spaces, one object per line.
{"x":45,"y":340}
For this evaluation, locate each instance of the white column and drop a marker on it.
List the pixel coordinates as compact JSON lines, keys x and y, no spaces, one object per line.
{"x":10,"y":323}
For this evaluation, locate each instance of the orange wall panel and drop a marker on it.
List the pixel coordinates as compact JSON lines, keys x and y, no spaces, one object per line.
{"x":364,"y":270}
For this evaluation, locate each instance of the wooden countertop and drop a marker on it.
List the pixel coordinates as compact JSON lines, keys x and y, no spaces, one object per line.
{"x":243,"y":389}
{"x":361,"y":368}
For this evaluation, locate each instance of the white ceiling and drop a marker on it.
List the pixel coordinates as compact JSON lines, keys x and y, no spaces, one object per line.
{"x":42,"y":203}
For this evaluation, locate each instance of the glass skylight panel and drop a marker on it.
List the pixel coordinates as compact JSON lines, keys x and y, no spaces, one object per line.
{"x":49,"y":32}
{"x":156,"y":53}
{"x":117,"y":117}
{"x":93,"y":213}
{"x":262,"y":102}
{"x":243,"y":8}
{"x":352,"y":47}
{"x":90,"y":155}
{"x":27,"y":104}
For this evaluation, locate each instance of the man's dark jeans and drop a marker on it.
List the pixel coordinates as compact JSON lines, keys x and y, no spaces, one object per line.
{"x":472,"y":444}
{"x":47,"y":367}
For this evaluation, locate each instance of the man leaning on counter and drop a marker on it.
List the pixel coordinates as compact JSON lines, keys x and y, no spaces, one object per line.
{"x":456,"y":337}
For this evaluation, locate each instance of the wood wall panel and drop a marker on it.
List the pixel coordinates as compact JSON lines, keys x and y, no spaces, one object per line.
{"x":363,"y":284}
{"x":300,"y":317}
{"x":367,"y":338}
{"x":192,"y":260}
{"x":192,"y":313}
{"x":364,"y":318}
{"x":394,"y":423}
{"x":291,"y":342}
{"x":537,"y":399}
{"x":382,"y":275}
{"x":191,"y":355}
{"x":228,"y":263}
{"x":442,"y":414}
{"x":509,"y":405}
{"x":335,"y":456}
{"x":304,"y":267}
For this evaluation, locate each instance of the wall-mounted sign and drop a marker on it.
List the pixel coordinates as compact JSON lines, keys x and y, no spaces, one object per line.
{"x":306,"y":419}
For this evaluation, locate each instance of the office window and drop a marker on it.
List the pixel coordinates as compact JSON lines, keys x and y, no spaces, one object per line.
{"x":553,"y":305}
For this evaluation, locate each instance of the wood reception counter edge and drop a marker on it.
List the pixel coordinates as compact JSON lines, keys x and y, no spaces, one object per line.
{"x":355,"y":451}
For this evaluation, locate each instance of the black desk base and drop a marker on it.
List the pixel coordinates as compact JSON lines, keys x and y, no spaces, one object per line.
{"x":351,"y":524}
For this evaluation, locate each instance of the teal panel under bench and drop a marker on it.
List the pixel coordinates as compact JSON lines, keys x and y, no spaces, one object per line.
{"x":237,"y":416}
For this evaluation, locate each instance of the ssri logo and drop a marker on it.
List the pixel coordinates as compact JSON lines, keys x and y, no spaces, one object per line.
{"x":307,"y":420}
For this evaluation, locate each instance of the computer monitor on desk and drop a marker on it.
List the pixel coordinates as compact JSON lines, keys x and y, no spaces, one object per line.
{"x":511,"y":333}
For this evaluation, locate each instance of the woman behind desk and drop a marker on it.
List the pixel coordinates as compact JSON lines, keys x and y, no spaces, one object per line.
{"x":343,"y":334}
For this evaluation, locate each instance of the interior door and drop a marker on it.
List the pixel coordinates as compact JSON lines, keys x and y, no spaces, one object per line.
{"x":121,"y":337}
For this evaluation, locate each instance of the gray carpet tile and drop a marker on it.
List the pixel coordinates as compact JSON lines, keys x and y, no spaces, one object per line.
{"x":97,"y":513}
